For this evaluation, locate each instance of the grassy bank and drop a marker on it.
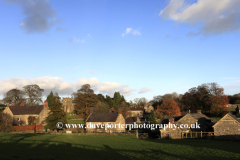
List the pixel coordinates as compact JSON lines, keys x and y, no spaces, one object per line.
{"x":46,"y":146}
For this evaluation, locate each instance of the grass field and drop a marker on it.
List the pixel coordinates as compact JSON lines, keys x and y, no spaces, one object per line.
{"x":73,"y":116}
{"x":72,"y":147}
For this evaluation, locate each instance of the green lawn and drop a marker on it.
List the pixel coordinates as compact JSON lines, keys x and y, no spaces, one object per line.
{"x":72,"y":116}
{"x":216,"y":118}
{"x":72,"y":147}
{"x":76,"y":122}
{"x":231,"y":109}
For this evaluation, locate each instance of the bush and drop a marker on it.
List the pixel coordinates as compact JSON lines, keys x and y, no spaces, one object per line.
{"x":5,"y":122}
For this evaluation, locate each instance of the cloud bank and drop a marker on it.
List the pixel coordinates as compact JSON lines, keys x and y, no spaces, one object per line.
{"x":214,"y":16}
{"x":39,"y":15}
{"x":63,"y":88}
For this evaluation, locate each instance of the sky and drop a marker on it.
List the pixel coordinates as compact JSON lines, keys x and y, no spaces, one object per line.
{"x":140,"y":48}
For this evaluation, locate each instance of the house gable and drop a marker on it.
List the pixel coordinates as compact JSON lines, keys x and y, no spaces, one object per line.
{"x":226,"y":126}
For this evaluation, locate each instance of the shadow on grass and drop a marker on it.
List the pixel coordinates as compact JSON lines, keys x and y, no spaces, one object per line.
{"x":229,"y":146}
{"x":40,"y":146}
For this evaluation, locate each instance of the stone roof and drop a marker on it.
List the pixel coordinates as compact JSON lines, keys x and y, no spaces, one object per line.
{"x":198,"y":116}
{"x":22,"y":110}
{"x":135,"y":109}
{"x":234,"y":117}
{"x":102,"y":117}
{"x":130,"y":120}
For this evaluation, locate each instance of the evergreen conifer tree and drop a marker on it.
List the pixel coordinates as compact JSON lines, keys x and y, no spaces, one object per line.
{"x":56,"y":113}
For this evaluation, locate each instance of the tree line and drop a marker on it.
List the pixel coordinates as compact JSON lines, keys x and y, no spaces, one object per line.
{"x":29,"y":95}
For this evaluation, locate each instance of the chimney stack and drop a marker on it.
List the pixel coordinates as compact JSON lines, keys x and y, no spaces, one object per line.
{"x":120,"y":110}
{"x":110,"y":110}
{"x":22,"y":104}
{"x":91,"y":110}
{"x":199,"y":111}
{"x":171,"y":120}
{"x":45,"y":104}
{"x":7,"y":104}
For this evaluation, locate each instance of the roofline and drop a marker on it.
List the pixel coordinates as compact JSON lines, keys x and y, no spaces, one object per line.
{"x":223,"y":117}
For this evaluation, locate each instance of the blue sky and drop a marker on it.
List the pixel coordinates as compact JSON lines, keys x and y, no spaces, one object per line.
{"x":140,"y":48}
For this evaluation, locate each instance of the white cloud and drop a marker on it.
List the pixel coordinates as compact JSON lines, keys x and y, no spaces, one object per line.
{"x":68,"y":68}
{"x":214,"y":16}
{"x":57,"y":84}
{"x":144,"y":90}
{"x":131,"y":31}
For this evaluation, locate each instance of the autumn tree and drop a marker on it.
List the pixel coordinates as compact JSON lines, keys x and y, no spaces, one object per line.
{"x":169,"y":107}
{"x":208,"y":97}
{"x":56,"y":113}
{"x":218,"y":105}
{"x":34,"y":93}
{"x":14,"y":96}
{"x":84,"y":98}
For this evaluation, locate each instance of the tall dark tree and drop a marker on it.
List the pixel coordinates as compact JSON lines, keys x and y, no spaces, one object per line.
{"x":237,"y":110}
{"x":117,"y":99}
{"x":109,"y":101}
{"x":152,"y":117}
{"x":84,"y":98}
{"x":101,"y":97}
{"x":14,"y":96}
{"x":34,"y":93}
{"x":56,"y":113}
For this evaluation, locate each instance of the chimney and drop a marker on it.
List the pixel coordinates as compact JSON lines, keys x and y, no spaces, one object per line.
{"x":91,"y":110}
{"x":110,"y":110}
{"x":7,"y":104}
{"x":171,"y":120}
{"x":45,"y":104}
{"x":22,"y":104}
{"x":120,"y":110}
{"x":199,"y":111}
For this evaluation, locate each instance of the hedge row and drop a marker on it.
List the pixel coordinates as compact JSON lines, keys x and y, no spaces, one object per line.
{"x":27,"y":127}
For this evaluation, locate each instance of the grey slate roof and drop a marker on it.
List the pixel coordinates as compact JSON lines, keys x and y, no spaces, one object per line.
{"x":102,"y":117}
{"x":22,"y":110}
{"x":130,"y":120}
{"x":233,"y":116}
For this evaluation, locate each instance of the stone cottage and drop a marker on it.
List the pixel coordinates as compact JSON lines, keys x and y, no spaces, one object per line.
{"x":228,"y":127}
{"x":21,"y":113}
{"x":135,"y":112}
{"x":96,"y":121}
{"x":190,"y":120}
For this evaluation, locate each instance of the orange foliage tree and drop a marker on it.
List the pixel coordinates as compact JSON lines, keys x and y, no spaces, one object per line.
{"x":218,"y":104}
{"x":169,"y":107}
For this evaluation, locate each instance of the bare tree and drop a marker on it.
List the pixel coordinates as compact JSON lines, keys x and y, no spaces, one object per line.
{"x":34,"y":93}
{"x":14,"y":96}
